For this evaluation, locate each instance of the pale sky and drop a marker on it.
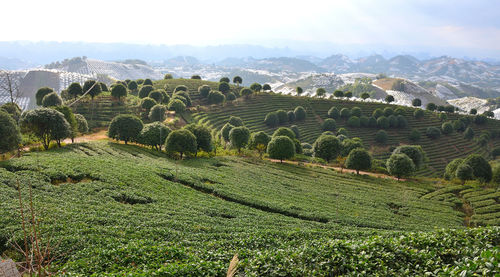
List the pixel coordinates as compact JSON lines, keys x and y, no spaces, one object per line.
{"x":473,"y":24}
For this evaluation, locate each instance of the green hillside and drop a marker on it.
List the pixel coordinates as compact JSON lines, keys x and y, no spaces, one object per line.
{"x":439,"y":151}
{"x":126,"y":210}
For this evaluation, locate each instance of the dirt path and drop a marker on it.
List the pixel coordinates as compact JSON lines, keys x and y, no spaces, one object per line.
{"x":345,"y":170}
{"x":99,"y":135}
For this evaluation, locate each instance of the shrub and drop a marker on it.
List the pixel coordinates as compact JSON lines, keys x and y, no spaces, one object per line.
{"x":464,"y":172}
{"x":203,"y":136}
{"x":400,"y":165}
{"x":51,"y":100}
{"x":176,"y":105}
{"x":300,"y":113}
{"x":459,"y":126}
{"x":181,"y":141}
{"x":381,"y":137}
{"x":399,"y":111}
{"x":70,"y":118}
{"x":327,"y":147}
{"x":345,"y":113}
{"x":473,"y":111}
{"x":388,"y":111}
{"x":92,"y":87}
{"x":266,"y":87}
{"x":402,"y":122}
{"x":203,"y":91}
{"x":359,"y":159}
{"x":196,"y":77}
{"x":389,"y":98}
{"x":282,"y":116}
{"x":449,"y":109}
{"x":416,"y":102}
{"x":451,"y":168}
{"x":125,"y":127}
{"x":469,"y":133}
{"x":356,"y":111}
{"x":225,"y":131}
{"x":237,"y":80}
{"x":41,"y":93}
{"x":414,"y":135}
{"x":348,"y":94}
{"x":148,"y":82}
{"x":334,"y":113}
{"x":481,"y":167}
{"x":496,"y":175}
{"x":418,"y":114}
{"x":295,"y":130}
{"x":154,"y":135}
{"x":281,"y":147}
{"x":393,"y":121}
{"x":284,"y":131}
{"x":320,"y":92}
{"x":383,"y":122}
{"x":168,"y":76}
{"x":259,"y":141}
{"x":256,"y":87}
{"x":353,"y":121}
{"x":414,"y":152}
{"x":298,"y":146}
{"x":230,"y":96}
{"x":442,"y":116}
{"x":184,"y":97}
{"x":372,"y":122}
{"x":144,"y":91}
{"x":480,"y":119}
{"x":46,"y":124}
{"x":329,"y":125}
{"x":132,"y":85}
{"x":224,"y":87}
{"x":271,"y":119}
{"x":291,"y":116}
{"x":165,"y":99}
{"x":147,"y":103}
{"x":433,"y":133}
{"x":12,"y":109}
{"x":216,"y":97}
{"x":338,"y":93}
{"x":246,"y":92}
{"x":119,"y":91}
{"x":235,"y":121}
{"x":157,"y":95}
{"x":157,"y":113}
{"x":447,"y":128}
{"x":377,"y":113}
{"x":10,"y":136}
{"x":82,"y":124}
{"x":342,"y":131}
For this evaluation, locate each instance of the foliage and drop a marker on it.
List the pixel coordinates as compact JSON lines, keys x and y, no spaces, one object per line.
{"x":10,"y":136}
{"x":40,"y":94}
{"x":224,"y":80}
{"x":246,"y":92}
{"x":92,"y":87}
{"x":345,"y":113}
{"x":299,"y":90}
{"x":196,"y":77}
{"x":239,"y":137}
{"x":119,"y":91}
{"x":400,"y":165}
{"x":431,"y":107}
{"x":447,"y":128}
{"x":416,"y":102}
{"x":70,"y":118}
{"x":481,"y":167}
{"x":147,"y":82}
{"x":176,"y":105}
{"x":377,"y":113}
{"x":383,"y":122}
{"x":256,"y":87}
{"x":469,"y":133}
{"x":480,"y":119}
{"x":145,"y":90}
{"x":259,"y":141}
{"x":237,"y":80}
{"x":204,"y":90}
{"x":226,"y":129}
{"x":359,"y":159}
{"x":284,"y":131}
{"x":154,"y":135}
{"x":157,"y":113}
{"x":281,"y":147}
{"x":356,"y":111}
{"x":338,"y":93}
{"x":148,"y":103}
{"x":327,"y":147}
{"x":353,"y":121}
{"x":320,"y":92}
{"x":414,"y":152}
{"x":389,"y":98}
{"x":224,"y":87}
{"x":266,"y":87}
{"x":433,"y":133}
{"x":75,"y":89}
{"x":125,"y":127}
{"x":291,"y":116}
{"x":216,"y":97}
{"x":83,"y":126}
{"x":282,"y":116}
{"x":181,"y":141}
{"x":350,"y":144}
{"x":334,"y":113}
{"x":157,"y":95}
{"x":13,"y":109}
{"x":235,"y":121}
{"x":464,"y":172}
{"x":329,"y":125}
{"x":52,"y":100}
{"x":295,"y":130}
{"x":203,"y":136}
{"x":414,"y":135}
{"x":272,"y":119}
{"x":46,"y":124}
{"x":381,"y":137}
{"x":418,"y":113}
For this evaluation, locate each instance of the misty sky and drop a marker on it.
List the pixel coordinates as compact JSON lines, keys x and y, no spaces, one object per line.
{"x":472,"y":26}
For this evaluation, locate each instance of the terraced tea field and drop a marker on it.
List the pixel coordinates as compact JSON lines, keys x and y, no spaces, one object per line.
{"x":125,"y":210}
{"x":439,"y":151}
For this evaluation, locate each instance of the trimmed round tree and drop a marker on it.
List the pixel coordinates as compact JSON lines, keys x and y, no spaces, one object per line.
{"x":215,"y":97}
{"x":147,"y":103}
{"x":414,"y":135}
{"x":359,"y":159}
{"x":447,"y":128}
{"x":256,"y":87}
{"x":168,"y":76}
{"x":334,"y":113}
{"x":93,"y":87}
{"x":381,"y":137}
{"x":246,"y":92}
{"x":284,"y":131}
{"x":157,"y":113}
{"x":414,"y":152}
{"x":266,"y":87}
{"x":145,"y":90}
{"x":431,"y":107}
{"x":52,"y":100}
{"x":383,"y":122}
{"x":40,"y":94}
{"x":291,"y":116}
{"x":338,"y":93}
{"x":224,"y":80}
{"x":401,"y":122}
{"x":46,"y":124}
{"x":416,"y":102}
{"x":469,"y":133}
{"x":320,"y":92}
{"x":125,"y":127}
{"x":83,"y":126}
{"x":433,"y":133}
{"x":196,"y":77}
{"x":12,"y":109}
{"x":225,"y":131}
{"x":389,"y":98}
{"x":75,"y":89}
{"x":327,"y":147}
{"x":300,"y":113}
{"x":239,"y":137}
{"x":418,"y":114}
{"x":148,"y":82}
{"x":70,"y":118}
{"x":353,"y":121}
{"x":271,"y":119}
{"x":299,"y":90}
{"x":349,"y":144}
{"x":204,"y":91}
{"x":237,"y":80}
{"x":181,"y":141}
{"x":282,"y":116}
{"x":235,"y":121}
{"x":132,"y":85}
{"x":481,"y":167}
{"x":10,"y":136}
{"x":348,"y":94}
{"x":345,"y":113}
{"x":154,"y":135}
{"x":119,"y":91}
{"x":224,"y":87}
{"x":203,"y":136}
{"x":230,"y":96}
{"x":464,"y":172}
{"x":329,"y":125}
{"x":377,"y":113}
{"x":281,"y":147}
{"x":473,"y":111}
{"x":176,"y":105}
{"x":451,"y":168}
{"x":400,"y":165}
{"x":365,"y":95}
{"x":157,"y":95}
{"x":295,"y":130}
{"x":356,"y":111}
{"x":388,"y":111}
{"x":259,"y":141}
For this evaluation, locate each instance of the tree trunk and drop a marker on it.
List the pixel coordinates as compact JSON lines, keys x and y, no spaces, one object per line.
{"x":281,"y":160}
{"x":181,"y":155}
{"x":125,"y":141}
{"x":357,"y":171}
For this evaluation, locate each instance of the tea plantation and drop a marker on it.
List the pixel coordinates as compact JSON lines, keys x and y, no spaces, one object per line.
{"x":124,"y":210}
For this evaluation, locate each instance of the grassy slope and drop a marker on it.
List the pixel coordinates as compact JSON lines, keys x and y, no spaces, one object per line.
{"x":439,"y":151}
{"x":135,"y":211}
